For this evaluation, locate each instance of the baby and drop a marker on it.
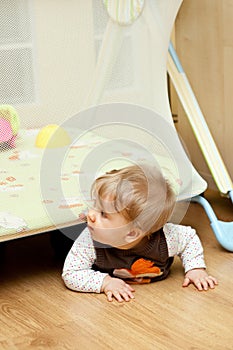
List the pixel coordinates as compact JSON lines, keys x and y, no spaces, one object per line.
{"x":128,"y":238}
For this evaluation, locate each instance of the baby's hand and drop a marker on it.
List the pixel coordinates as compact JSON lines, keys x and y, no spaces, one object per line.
{"x":117,"y":288}
{"x":83,"y":216}
{"x":200,"y":279}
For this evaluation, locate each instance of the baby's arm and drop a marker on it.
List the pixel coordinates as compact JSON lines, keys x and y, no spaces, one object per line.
{"x":184,"y":242}
{"x":77,"y":272}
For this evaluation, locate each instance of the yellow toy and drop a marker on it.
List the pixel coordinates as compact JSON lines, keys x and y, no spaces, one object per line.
{"x":52,"y":136}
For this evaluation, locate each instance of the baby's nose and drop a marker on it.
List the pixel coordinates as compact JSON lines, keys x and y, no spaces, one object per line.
{"x":91,"y":215}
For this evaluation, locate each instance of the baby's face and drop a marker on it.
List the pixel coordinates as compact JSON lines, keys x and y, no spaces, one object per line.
{"x":108,"y":227}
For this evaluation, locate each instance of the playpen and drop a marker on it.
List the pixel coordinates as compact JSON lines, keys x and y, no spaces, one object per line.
{"x":83,"y":90}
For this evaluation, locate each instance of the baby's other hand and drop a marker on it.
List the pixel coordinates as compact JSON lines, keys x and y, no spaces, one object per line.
{"x":117,"y":288}
{"x":200,"y":279}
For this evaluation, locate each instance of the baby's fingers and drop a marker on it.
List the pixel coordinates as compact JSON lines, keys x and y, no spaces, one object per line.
{"x":186,"y":282}
{"x":212,"y":281}
{"x":129,"y":288}
{"x":109,"y":296}
{"x":205,"y":283}
{"x":123,"y":295}
{"x":120,"y":295}
{"x":127,"y":295}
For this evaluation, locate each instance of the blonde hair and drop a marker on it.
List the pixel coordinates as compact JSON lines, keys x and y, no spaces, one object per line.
{"x":139,"y":192}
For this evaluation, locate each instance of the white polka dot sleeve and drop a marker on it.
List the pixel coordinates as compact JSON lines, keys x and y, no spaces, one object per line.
{"x":184,"y":242}
{"x":77,"y":272}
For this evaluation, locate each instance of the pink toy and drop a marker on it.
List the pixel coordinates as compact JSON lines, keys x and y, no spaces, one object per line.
{"x":9,"y":126}
{"x":6,"y":133}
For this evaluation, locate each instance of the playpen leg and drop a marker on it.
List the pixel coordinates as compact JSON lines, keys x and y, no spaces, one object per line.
{"x":222,"y":230}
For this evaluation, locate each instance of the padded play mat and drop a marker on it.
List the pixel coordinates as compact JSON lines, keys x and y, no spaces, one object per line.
{"x":29,"y":204}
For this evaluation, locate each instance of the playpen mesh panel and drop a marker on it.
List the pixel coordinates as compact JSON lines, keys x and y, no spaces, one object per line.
{"x":49,"y":55}
{"x":58,"y":60}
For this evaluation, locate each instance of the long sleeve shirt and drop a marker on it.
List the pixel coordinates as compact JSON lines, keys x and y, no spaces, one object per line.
{"x":78,"y":274}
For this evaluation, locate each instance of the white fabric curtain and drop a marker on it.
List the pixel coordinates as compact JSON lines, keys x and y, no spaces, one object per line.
{"x":148,"y":36}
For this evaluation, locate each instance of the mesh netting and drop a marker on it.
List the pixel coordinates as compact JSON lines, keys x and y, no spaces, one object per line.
{"x":58,"y":59}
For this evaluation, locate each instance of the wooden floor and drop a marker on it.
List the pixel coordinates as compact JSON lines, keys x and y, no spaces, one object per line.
{"x":38,"y":312}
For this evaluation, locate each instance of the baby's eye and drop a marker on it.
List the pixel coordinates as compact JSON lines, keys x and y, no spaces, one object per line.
{"x":103,"y":214}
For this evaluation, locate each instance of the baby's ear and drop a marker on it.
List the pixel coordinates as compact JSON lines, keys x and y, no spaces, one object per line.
{"x":134,"y":234}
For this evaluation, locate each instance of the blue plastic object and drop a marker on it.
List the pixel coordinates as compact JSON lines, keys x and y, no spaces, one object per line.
{"x":222,"y":230}
{"x":230,"y":193}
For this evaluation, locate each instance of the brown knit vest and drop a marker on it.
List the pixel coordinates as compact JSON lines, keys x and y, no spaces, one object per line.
{"x":153,"y":248}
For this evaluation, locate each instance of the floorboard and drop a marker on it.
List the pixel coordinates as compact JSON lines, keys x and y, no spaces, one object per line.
{"x":38,"y":312}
